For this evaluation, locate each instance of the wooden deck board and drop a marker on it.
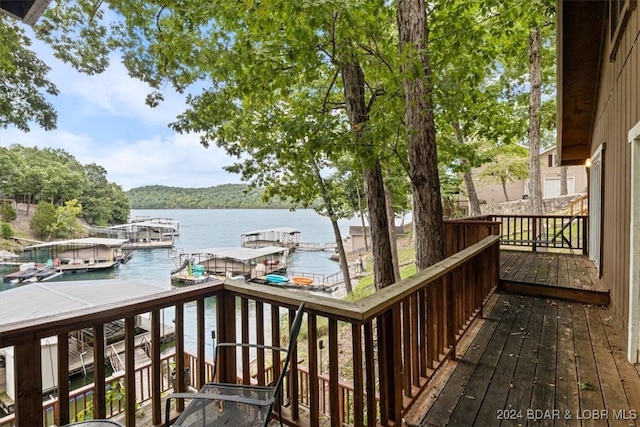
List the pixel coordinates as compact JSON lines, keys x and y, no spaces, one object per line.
{"x":520,"y":387}
{"x":544,"y":383}
{"x":439,"y":413}
{"x":503,"y":378}
{"x":475,"y":392}
{"x":540,"y":355}
{"x":553,"y":275}
{"x":566,"y":374}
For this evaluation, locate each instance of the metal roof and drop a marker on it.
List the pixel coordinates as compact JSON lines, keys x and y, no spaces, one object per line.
{"x":288,"y":230}
{"x":243,"y":254}
{"x":37,"y":300}
{"x":87,"y":241}
{"x":143,"y":224}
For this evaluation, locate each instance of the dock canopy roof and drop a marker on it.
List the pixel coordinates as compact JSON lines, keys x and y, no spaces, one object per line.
{"x":88,"y":241}
{"x":242,"y":254}
{"x":143,"y":224}
{"x":38,"y":300}
{"x":283,"y":230}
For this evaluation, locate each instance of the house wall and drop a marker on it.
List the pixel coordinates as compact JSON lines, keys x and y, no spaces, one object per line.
{"x":493,"y":193}
{"x":616,"y":113}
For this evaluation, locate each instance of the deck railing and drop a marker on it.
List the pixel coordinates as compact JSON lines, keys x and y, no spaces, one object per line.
{"x":398,"y":337}
{"x":560,"y":232}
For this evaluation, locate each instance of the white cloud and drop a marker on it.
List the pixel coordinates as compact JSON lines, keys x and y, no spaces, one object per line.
{"x":103,"y":119}
{"x":174,"y":160}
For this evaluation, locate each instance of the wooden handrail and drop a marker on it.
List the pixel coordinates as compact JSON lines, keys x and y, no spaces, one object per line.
{"x":398,"y":336}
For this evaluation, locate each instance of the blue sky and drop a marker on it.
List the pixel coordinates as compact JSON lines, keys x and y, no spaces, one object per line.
{"x":103,"y":119}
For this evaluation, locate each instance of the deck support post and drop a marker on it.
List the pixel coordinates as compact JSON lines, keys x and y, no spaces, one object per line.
{"x":226,"y":367}
{"x":28,"y":371}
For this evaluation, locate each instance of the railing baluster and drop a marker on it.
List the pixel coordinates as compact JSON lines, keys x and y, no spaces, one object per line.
{"x":313,"y":384}
{"x":179,"y":379}
{"x":244,"y":325}
{"x":358,"y":377}
{"x":334,"y":408}
{"x":99,"y":395}
{"x":156,"y":407}
{"x":406,"y":346}
{"x":260,"y":340}
{"x":63,"y":383}
{"x":369,"y":361}
{"x":200,"y":343}
{"x":130,"y":369}
{"x":275,"y":341}
{"x":293,"y":375}
{"x":415,"y":341}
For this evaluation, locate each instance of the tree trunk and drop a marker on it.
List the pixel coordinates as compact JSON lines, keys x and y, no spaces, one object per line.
{"x":342,"y":256}
{"x":353,"y":82}
{"x":563,"y":181}
{"x":534,"y":122}
{"x":474,"y":202}
{"x":362,"y":221}
{"x":413,"y":34}
{"x":503,"y":180}
{"x":391,"y":216}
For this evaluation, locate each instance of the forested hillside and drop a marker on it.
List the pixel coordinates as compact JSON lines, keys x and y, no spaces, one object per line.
{"x":218,"y":197}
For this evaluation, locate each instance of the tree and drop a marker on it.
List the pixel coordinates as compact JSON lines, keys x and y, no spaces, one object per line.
{"x":510,"y":164}
{"x":43,"y":217}
{"x":413,"y":32}
{"x":50,"y":221}
{"x":23,"y":81}
{"x":7,"y":213}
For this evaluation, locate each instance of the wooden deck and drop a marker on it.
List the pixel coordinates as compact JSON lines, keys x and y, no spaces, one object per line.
{"x":535,"y":361}
{"x":552,"y":275}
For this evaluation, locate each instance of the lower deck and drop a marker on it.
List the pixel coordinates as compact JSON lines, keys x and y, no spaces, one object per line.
{"x":535,"y":361}
{"x":553,"y":275}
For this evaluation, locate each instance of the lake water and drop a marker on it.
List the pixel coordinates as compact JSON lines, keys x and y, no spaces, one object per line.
{"x":208,"y":228}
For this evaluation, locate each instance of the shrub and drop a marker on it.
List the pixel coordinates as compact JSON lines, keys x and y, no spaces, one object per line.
{"x":7,"y":213}
{"x":6,"y":231}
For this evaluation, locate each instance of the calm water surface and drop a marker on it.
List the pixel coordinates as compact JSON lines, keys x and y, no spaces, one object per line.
{"x":209,"y":228}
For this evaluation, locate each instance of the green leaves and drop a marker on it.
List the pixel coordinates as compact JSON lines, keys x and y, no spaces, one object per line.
{"x":23,"y":82}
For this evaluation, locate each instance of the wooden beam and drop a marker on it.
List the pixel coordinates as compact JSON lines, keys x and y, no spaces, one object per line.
{"x":99,"y":395}
{"x":545,"y":291}
{"x":28,"y":377}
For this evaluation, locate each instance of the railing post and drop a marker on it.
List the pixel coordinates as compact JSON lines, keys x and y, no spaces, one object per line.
{"x":63,"y":380}
{"x":390,"y":365}
{"x":99,"y":395}
{"x":156,"y":408}
{"x":130,"y":370}
{"x":28,"y":381}
{"x":179,"y":381}
{"x":200,"y":347}
{"x":585,"y":235}
{"x":535,"y":234}
{"x":226,"y":332}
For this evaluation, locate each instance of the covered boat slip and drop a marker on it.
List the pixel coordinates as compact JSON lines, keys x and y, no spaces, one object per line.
{"x":90,"y":253}
{"x":144,"y":234}
{"x":286,"y":237}
{"x":234,"y":261}
{"x":62,"y":300}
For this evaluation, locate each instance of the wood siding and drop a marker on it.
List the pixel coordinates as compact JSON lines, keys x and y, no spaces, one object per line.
{"x":616,"y":113}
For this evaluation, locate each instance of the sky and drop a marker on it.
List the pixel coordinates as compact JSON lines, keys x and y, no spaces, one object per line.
{"x":103,"y":119}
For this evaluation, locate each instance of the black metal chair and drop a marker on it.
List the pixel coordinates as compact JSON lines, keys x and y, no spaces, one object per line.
{"x":218,"y":404}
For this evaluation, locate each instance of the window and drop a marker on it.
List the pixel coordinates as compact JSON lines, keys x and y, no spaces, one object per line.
{"x":619,"y":13}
